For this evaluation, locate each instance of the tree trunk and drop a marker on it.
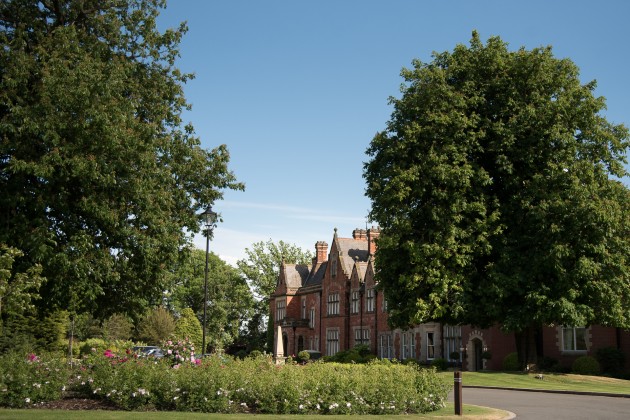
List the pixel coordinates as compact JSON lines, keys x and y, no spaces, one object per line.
{"x":526,"y":347}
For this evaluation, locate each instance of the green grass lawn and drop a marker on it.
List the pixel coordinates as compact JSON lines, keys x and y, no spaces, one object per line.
{"x":559,"y":382}
{"x":471,"y":412}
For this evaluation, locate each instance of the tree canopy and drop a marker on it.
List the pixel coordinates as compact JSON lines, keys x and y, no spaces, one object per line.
{"x":230,"y":301}
{"x":261,"y":268}
{"x":101,"y":181}
{"x":495,"y":185}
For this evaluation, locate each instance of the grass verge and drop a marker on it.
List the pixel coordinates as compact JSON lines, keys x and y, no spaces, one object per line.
{"x":471,"y":412}
{"x":550,"y":381}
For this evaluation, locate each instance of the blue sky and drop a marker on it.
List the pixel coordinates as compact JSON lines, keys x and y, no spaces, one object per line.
{"x":297,"y":89}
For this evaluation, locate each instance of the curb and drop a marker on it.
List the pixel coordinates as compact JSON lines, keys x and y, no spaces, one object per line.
{"x":552,"y":391}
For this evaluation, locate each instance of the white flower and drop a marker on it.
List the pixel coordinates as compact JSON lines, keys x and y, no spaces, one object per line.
{"x":28,"y":400}
{"x":348,"y":405}
{"x":301,"y":407}
{"x":174,"y":398}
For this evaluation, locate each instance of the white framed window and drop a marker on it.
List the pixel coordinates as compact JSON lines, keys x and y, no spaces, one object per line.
{"x":384,"y":309}
{"x":304,"y":308}
{"x":452,"y":341}
{"x":430,"y":345}
{"x":332,"y":342}
{"x":355,"y":302}
{"x":361,"y":336}
{"x":333,"y":304}
{"x":386,"y":348}
{"x":280,"y":310}
{"x":573,"y":339}
{"x":369,"y":300}
{"x":408,"y":345}
{"x":311,"y":321}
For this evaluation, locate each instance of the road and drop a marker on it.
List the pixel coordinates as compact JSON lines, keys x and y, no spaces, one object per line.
{"x":542,"y":405}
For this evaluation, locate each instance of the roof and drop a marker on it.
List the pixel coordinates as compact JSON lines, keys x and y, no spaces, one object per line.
{"x":317,"y":274}
{"x":351,"y":250}
{"x":295,"y":275}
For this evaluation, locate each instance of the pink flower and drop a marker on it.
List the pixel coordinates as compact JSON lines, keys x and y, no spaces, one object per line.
{"x":197,"y":362}
{"x":108,"y":353}
{"x":32,"y":357}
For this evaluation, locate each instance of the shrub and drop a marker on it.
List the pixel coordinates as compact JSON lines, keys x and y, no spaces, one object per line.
{"x":188,"y":327}
{"x":26,"y":380}
{"x":257,"y":385}
{"x":586,"y":365}
{"x":303,"y":356}
{"x":156,"y":327}
{"x":255,"y":354}
{"x":548,"y":364}
{"x":510,"y":362}
{"x":440,"y":364}
{"x":611,"y":360}
{"x":117,"y":327}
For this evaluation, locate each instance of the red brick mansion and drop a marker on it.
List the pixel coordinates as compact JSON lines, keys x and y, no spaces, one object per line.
{"x":333,"y":305}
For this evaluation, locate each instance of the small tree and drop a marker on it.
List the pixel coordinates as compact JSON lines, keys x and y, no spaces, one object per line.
{"x":157,"y":326}
{"x":188,"y":327}
{"x":117,"y":327}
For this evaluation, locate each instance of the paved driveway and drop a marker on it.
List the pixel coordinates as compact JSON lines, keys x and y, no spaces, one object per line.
{"x":542,"y":405}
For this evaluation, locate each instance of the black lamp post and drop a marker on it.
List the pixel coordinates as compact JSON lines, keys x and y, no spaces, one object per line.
{"x":209,"y":218}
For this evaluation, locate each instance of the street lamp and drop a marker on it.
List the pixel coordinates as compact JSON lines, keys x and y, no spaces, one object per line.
{"x":209,"y":218}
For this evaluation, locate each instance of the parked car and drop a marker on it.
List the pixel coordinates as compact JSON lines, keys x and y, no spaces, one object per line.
{"x":146,"y":351}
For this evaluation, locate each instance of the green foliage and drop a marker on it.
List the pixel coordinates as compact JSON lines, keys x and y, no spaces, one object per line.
{"x":230,"y":301}
{"x":304,"y":356}
{"x":27,"y":379}
{"x":101,"y":180}
{"x":440,"y":364}
{"x":586,"y":365}
{"x":494,"y":185}
{"x":358,"y":354}
{"x":256,"y":385}
{"x":261,"y":268}
{"x":157,"y":326}
{"x":611,"y":360}
{"x":188,"y":327}
{"x":17,"y":289}
{"x":117,"y":327}
{"x":510,"y":363}
{"x":51,"y":332}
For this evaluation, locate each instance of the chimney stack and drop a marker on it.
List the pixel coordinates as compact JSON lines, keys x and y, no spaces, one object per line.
{"x":372,"y":235}
{"x":359,"y":235}
{"x":321,"y":252}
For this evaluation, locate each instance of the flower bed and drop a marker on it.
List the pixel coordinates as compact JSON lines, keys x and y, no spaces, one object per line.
{"x":255,"y":385}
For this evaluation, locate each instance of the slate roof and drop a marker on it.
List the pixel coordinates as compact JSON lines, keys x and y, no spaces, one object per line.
{"x":295,"y":275}
{"x":349,"y":250}
{"x":317,"y":275}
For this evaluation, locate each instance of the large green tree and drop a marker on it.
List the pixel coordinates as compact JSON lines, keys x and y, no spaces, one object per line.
{"x":261,"y":268}
{"x":494,"y":185}
{"x":230,"y":303}
{"x":100,"y":179}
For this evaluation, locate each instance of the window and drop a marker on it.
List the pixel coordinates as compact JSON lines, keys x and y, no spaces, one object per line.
{"x":303,"y":308}
{"x":333,"y":304}
{"x":452,"y":341}
{"x":311,"y":321}
{"x":573,"y":339}
{"x":333,"y":267}
{"x":430,"y":346}
{"x":384,"y":305}
{"x":408,"y":345}
{"x":332,"y":342}
{"x":369,"y":302}
{"x":362,"y":336}
{"x":386,"y":350}
{"x":280,"y":310}
{"x":355,"y":302}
